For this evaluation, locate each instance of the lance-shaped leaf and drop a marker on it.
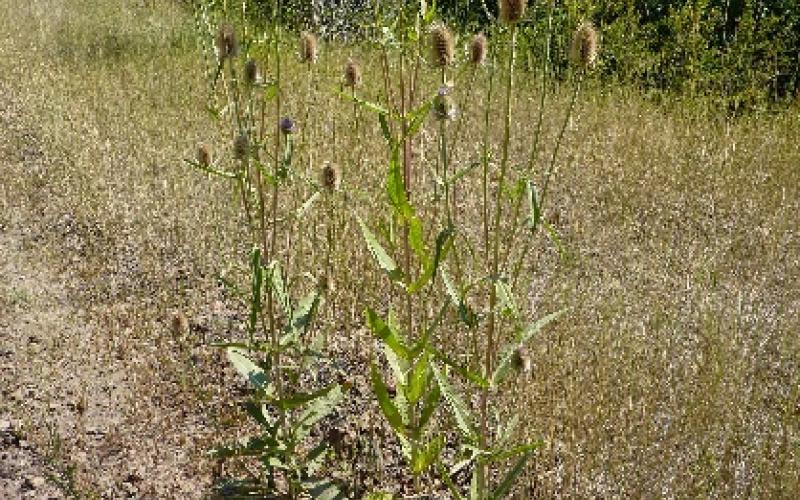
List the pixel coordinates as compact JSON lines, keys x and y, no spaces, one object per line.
{"x":321,"y":407}
{"x":302,"y":316}
{"x":507,"y":302}
{"x":429,"y":407}
{"x":460,"y":410}
{"x":385,"y":402}
{"x":473,"y":377}
{"x":248,"y":369}
{"x":465,"y":312}
{"x":384,"y":261}
{"x":387,"y":334}
{"x":423,"y":457}
{"x":534,"y":210}
{"x":508,"y":353}
{"x":444,"y":241}
{"x":278,"y":286}
{"x":323,"y":489}
{"x":418,"y":379}
{"x":417,"y":117}
{"x":302,"y":398}
{"x":211,"y":170}
{"x":511,"y":476}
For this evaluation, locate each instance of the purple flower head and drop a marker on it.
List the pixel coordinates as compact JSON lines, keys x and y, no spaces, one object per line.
{"x":287,"y":125}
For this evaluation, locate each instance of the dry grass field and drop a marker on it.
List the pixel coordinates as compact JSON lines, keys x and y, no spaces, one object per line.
{"x":674,"y":373}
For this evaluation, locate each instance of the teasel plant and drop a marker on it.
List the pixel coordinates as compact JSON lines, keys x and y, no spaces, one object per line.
{"x":281,"y":345}
{"x":498,"y":326}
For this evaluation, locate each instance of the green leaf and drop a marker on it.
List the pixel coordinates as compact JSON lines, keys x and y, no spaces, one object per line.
{"x":308,"y":204}
{"x":278,"y":286}
{"x":417,"y":117}
{"x":473,"y":377}
{"x":318,"y":410}
{"x":211,"y":170}
{"x":465,"y":313}
{"x":429,"y":406}
{"x":534,"y":210}
{"x":508,"y":353}
{"x":371,"y":106}
{"x":551,"y":232}
{"x":418,"y":379}
{"x":384,"y":261}
{"x":387,"y":334}
{"x":378,"y":495}
{"x":304,"y":314}
{"x":460,"y":410}
{"x":302,"y":398}
{"x":424,"y":457}
{"x":385,"y":402}
{"x":444,"y":241}
{"x":508,"y":481}
{"x":248,"y":369}
{"x":506,"y":296}
{"x":323,"y":489}
{"x":387,"y":132}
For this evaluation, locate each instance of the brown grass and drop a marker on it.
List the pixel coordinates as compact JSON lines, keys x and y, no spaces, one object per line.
{"x":675,"y":373}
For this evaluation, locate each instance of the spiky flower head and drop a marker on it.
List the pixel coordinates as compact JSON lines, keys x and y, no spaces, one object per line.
{"x":478,"y":49}
{"x":352,"y":74}
{"x":241,"y":146}
{"x":252,"y":74}
{"x":444,"y":108}
{"x":308,"y":47}
{"x":330,"y":177}
{"x":442,"y":46}
{"x":511,"y":11}
{"x":287,"y":125}
{"x":204,"y":155}
{"x":585,"y":46}
{"x":227,"y":43}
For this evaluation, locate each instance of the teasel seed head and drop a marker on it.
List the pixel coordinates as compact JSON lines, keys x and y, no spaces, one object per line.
{"x":204,"y":155}
{"x":352,"y":74}
{"x":444,"y":108}
{"x":521,"y":360}
{"x":241,"y":147}
{"x":331,"y":177}
{"x":585,"y":46}
{"x":227,"y":43}
{"x":252,"y":74}
{"x":478,"y":49}
{"x":308,"y":47}
{"x":442,"y":46}
{"x":511,"y":11}
{"x":180,"y":324}
{"x":287,"y":125}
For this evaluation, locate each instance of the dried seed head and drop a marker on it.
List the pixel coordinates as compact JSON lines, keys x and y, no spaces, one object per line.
{"x":252,"y":75}
{"x":308,"y":47}
{"x":331,"y":177}
{"x":180,"y":324}
{"x":444,"y":108}
{"x":241,"y":147}
{"x":204,"y":155}
{"x":227,"y":43}
{"x":521,"y":360}
{"x":478,"y":49}
{"x":352,"y":74}
{"x":442,"y":46}
{"x":287,"y":125}
{"x":511,"y":11}
{"x":585,"y":46}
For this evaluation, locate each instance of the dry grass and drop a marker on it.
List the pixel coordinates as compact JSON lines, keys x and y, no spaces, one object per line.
{"x":676,"y":372}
